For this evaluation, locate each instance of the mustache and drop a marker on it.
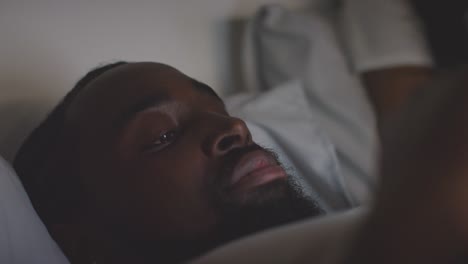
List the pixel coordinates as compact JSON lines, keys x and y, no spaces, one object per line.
{"x":232,"y":159}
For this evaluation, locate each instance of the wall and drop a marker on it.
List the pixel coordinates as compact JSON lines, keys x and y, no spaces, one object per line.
{"x":47,"y":45}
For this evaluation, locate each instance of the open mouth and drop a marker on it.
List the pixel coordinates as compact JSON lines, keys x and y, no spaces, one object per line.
{"x":254,"y":169}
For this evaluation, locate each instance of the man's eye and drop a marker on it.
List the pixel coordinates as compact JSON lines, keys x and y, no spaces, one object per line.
{"x":166,"y":137}
{"x":162,"y":141}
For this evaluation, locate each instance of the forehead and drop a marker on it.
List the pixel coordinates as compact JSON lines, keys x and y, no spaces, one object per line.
{"x":127,"y":85}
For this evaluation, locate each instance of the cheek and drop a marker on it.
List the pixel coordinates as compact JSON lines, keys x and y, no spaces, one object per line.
{"x":169,"y":197}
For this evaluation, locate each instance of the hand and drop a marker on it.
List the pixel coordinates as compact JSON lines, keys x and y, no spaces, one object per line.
{"x":390,"y":88}
{"x":425,"y":152}
{"x":421,"y":211}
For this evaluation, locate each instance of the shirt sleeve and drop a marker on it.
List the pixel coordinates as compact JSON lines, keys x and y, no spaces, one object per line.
{"x":382,"y":33}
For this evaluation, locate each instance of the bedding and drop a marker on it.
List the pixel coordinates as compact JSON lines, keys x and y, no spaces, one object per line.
{"x":23,"y":237}
{"x":300,"y":101}
{"x":318,"y":119}
{"x":307,"y":50}
{"x":335,"y":100}
{"x":281,"y":119}
{"x":324,"y":240}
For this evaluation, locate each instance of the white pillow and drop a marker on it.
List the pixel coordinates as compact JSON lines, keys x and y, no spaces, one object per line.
{"x":288,"y":45}
{"x":23,"y":237}
{"x":324,"y":240}
{"x":284,"y":45}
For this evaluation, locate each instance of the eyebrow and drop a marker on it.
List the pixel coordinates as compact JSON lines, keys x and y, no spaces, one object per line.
{"x":204,"y":88}
{"x":156,"y":101}
{"x":140,"y":106}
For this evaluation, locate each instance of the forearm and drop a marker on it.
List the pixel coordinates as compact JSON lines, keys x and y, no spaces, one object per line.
{"x":387,"y":47}
{"x":406,"y":235}
{"x":420,"y":213}
{"x":388,"y":89}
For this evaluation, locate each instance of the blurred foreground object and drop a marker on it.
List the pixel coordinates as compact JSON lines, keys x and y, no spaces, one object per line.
{"x":447,"y":28}
{"x":420,"y":215}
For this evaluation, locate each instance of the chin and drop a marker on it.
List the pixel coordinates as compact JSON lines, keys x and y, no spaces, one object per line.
{"x":270,"y":192}
{"x":270,"y":205}
{"x":266,"y":193}
{"x":281,"y":197}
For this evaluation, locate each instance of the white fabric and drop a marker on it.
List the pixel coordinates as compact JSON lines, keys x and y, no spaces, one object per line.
{"x":23,"y":237}
{"x":282,"y":119}
{"x":320,"y":241}
{"x":327,"y":131}
{"x":383,"y":33}
{"x":308,"y":49}
{"x":301,"y":49}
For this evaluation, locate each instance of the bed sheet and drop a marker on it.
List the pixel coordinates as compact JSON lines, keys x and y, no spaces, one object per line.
{"x":304,"y":63}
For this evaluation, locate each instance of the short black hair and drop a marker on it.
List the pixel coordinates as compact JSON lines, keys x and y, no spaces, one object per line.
{"x":52,"y":194}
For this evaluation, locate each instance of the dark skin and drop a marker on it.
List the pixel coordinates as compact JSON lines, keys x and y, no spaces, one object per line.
{"x":390,"y":88}
{"x":153,"y":151}
{"x":150,"y":146}
{"x":420,"y":214}
{"x":422,"y":198}
{"x":126,"y":144}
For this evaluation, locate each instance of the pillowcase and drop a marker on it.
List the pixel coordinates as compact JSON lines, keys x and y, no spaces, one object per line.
{"x":311,"y":46}
{"x":291,"y":45}
{"x":323,"y":240}
{"x":23,"y":237}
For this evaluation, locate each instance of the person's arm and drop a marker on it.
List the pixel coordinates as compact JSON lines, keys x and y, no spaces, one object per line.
{"x":388,"y":89}
{"x":421,"y":214}
{"x":387,"y":48}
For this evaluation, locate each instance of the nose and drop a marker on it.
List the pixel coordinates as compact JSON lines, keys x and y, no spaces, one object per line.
{"x":228,"y":133}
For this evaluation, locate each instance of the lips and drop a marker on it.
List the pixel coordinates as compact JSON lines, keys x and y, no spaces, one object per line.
{"x":254,"y":169}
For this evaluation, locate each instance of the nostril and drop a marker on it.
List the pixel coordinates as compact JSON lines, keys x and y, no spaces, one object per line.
{"x":227,"y":142}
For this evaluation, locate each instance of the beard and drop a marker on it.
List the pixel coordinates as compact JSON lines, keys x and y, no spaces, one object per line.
{"x":275,"y":204}
{"x":271,"y":205}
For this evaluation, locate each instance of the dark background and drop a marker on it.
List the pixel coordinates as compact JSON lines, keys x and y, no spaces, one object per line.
{"x":446,"y":25}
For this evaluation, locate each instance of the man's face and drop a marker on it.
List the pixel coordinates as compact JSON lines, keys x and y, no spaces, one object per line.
{"x":161,"y":159}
